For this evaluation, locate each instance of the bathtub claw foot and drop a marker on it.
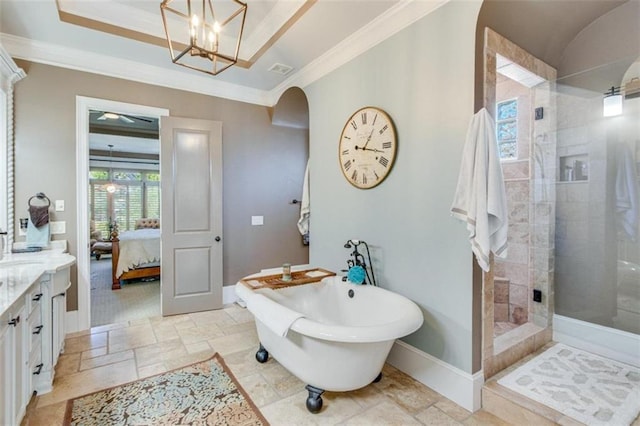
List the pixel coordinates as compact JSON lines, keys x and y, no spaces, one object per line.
{"x":314,"y":401}
{"x":262,"y":355}
{"x":378,"y":378}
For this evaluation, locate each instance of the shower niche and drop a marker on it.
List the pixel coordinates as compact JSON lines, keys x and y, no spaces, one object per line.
{"x":574,"y":168}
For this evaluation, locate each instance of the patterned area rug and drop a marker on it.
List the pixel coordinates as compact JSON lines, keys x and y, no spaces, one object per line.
{"x":205,"y":393}
{"x":589,"y":388}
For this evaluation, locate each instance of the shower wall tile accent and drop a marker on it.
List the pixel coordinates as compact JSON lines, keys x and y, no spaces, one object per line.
{"x":501,"y":312}
{"x":501,"y":290}
{"x":516,"y":169}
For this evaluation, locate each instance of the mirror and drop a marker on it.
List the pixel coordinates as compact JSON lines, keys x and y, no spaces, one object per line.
{"x":10,"y":73}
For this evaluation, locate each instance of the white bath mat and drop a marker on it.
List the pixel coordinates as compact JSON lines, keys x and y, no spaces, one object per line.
{"x":587,"y":387}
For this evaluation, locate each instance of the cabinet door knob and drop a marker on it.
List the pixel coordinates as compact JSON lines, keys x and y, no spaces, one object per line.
{"x":14,"y":322}
{"x":217,"y":238}
{"x":37,"y":297}
{"x":38,"y":329}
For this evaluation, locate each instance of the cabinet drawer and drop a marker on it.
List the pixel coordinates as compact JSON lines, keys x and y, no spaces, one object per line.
{"x":35,"y":356}
{"x":33,"y":299}
{"x":35,"y":329}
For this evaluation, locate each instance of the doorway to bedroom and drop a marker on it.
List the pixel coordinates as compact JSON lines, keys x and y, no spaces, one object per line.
{"x":111,"y":182}
{"x":124,"y":216}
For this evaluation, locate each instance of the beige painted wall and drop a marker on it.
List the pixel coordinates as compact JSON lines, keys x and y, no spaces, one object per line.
{"x":263,"y":164}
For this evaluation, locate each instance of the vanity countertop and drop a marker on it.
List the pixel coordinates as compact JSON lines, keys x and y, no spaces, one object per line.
{"x":19,"y":271}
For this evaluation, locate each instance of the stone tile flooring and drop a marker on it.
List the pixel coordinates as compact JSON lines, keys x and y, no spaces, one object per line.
{"x":113,"y":354}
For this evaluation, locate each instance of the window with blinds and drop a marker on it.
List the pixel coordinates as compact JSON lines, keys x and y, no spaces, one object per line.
{"x":137,"y":196}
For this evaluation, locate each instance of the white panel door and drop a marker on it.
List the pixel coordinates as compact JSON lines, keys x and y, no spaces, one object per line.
{"x":191,"y":170}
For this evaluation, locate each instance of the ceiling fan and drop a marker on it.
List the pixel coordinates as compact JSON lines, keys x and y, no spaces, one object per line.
{"x":122,"y":117}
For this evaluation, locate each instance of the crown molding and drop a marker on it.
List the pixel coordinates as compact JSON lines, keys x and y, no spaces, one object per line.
{"x":9,"y":71}
{"x":60,"y":56}
{"x":395,"y":19}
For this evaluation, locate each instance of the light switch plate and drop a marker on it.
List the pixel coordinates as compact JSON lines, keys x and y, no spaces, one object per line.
{"x":257,"y":220}
{"x":59,"y":205}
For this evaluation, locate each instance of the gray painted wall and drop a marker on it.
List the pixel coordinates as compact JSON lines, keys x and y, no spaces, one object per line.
{"x":263,"y":164}
{"x":423,"y":78}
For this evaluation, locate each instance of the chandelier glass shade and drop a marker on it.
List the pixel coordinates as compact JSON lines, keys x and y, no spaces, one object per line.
{"x":110,"y":187}
{"x":202,"y":37}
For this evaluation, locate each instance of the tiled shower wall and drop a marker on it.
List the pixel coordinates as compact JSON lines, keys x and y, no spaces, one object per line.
{"x":541,"y":209}
{"x":586,"y":231}
{"x":514,"y":270}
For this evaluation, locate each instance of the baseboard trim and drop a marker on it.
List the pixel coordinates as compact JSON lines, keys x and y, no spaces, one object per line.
{"x":462,"y":388}
{"x":71,"y":322}
{"x":605,"y":341}
{"x":229,"y":295}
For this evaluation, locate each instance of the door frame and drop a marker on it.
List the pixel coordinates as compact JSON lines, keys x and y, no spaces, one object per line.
{"x":83,"y":106}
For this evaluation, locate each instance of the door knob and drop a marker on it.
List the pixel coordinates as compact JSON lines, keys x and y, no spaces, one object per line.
{"x":217,"y":238}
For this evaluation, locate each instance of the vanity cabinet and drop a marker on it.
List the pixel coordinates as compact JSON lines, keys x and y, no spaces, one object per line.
{"x":13,"y":400}
{"x":54,"y":288}
{"x":31,"y":339}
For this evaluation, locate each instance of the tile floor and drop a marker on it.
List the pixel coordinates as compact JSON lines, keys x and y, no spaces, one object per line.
{"x":114,"y":354}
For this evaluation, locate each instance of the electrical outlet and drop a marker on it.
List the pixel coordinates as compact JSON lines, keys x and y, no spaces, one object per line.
{"x":537,"y":296}
{"x":257,"y":220}
{"x":58,"y":227}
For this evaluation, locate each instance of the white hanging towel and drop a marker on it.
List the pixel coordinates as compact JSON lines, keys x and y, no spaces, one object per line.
{"x":626,"y":193}
{"x":305,"y":208}
{"x":480,"y":198}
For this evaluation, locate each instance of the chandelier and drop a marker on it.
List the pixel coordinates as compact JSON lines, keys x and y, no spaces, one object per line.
{"x":202,"y":38}
{"x":110,"y":187}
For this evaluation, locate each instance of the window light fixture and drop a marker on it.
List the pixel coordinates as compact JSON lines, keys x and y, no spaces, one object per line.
{"x":612,"y":102}
{"x":201,"y":37}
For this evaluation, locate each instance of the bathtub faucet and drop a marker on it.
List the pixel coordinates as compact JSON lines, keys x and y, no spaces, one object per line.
{"x":358,"y":259}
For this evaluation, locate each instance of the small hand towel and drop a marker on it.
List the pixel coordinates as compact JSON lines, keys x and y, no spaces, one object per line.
{"x":305,"y":207}
{"x":626,"y":193}
{"x":480,"y":198}
{"x":276,"y":317}
{"x":39,"y":215}
{"x":37,"y":237}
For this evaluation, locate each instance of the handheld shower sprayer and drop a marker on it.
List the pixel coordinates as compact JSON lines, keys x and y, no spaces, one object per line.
{"x":358,"y":259}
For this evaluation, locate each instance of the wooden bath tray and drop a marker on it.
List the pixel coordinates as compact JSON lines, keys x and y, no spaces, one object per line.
{"x":275,"y":281}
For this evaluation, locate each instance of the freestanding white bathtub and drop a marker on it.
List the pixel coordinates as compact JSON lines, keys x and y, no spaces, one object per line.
{"x":342,"y":338}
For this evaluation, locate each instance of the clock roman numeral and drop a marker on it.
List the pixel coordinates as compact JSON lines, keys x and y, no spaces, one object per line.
{"x":354,"y":125}
{"x":347,"y":165}
{"x":345,"y":152}
{"x":354,"y":176}
{"x":374,"y":120}
{"x":363,"y":117}
{"x":383,"y":129}
{"x":377,"y":177}
{"x":386,"y":145}
{"x":364,"y":179}
{"x":383,"y":161}
{"x":347,"y":137}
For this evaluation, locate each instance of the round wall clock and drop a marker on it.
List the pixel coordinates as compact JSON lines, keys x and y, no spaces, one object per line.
{"x":367,"y":148}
